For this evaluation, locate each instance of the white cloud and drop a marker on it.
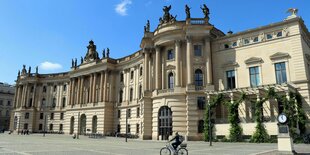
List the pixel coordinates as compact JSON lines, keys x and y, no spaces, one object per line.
{"x":122,"y":7}
{"x":50,"y":66}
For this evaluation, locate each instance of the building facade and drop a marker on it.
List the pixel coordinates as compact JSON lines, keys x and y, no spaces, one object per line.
{"x":6,"y":103}
{"x":165,"y":86}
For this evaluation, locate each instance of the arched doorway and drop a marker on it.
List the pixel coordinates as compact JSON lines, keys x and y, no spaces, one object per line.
{"x":83,"y":124}
{"x":72,"y":125}
{"x":164,"y":122}
{"x":94,"y":124}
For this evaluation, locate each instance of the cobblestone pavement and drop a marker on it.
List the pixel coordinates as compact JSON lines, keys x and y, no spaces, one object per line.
{"x":36,"y":144}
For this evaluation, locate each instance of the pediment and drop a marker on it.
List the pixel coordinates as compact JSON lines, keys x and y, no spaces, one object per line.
{"x":170,"y":67}
{"x":279,"y":55}
{"x":230,"y":64}
{"x":253,"y":60}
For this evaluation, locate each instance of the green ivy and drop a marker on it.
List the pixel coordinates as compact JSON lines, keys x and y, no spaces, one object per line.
{"x":235,"y":131}
{"x":212,"y":103}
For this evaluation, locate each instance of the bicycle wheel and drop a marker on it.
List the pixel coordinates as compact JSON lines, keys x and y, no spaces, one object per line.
{"x":165,"y":151}
{"x":182,"y":151}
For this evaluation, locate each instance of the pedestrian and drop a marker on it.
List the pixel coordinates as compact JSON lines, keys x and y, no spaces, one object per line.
{"x":27,"y":132}
{"x":22,"y":132}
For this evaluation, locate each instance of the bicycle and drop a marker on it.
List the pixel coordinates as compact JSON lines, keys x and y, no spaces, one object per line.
{"x":168,"y":149}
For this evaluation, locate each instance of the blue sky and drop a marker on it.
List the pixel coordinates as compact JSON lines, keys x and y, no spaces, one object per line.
{"x":49,"y":33}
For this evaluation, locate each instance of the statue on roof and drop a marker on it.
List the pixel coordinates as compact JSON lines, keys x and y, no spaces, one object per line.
{"x":91,"y":54}
{"x":24,"y":71}
{"x":37,"y":70}
{"x":293,"y":11}
{"x":103,"y":53}
{"x":72,"y":63}
{"x":75,"y":62}
{"x":167,"y":17}
{"x":29,"y":70}
{"x":18,"y":73}
{"x":108,"y":52}
{"x":82,"y":60}
{"x":205,"y":10}
{"x":187,"y":11}
{"x":147,"y":27}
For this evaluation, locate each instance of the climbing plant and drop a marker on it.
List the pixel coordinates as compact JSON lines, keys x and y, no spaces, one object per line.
{"x":212,"y":103}
{"x":235,"y":131}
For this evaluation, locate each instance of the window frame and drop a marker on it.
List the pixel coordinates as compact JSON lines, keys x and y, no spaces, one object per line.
{"x":195,"y":51}
{"x":256,"y":75}
{"x":280,"y":80}
{"x":230,"y":81}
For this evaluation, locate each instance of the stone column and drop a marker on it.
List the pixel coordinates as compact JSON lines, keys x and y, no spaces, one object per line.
{"x":105,"y":85}
{"x":94,"y":96}
{"x":34,"y":95}
{"x":70,"y":92}
{"x":26,"y":95}
{"x":177,"y":61}
{"x":146,"y":69}
{"x":157,"y":69}
{"x":91,"y":93}
{"x":16,"y":97}
{"x":209,"y":61}
{"x":189,"y":61}
{"x":77,"y":98}
{"x":163,"y":73}
{"x":101,"y":87}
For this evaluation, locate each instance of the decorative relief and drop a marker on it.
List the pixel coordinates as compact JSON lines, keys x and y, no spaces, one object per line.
{"x":253,"y":60}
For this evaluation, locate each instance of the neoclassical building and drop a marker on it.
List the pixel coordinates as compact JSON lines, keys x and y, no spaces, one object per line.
{"x":6,"y":103}
{"x":165,"y":86}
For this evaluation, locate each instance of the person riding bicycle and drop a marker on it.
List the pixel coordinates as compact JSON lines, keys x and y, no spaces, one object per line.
{"x":178,"y":140}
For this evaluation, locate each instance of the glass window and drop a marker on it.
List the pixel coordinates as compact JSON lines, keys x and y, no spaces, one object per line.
{"x":61,"y":115}
{"x":25,"y":126}
{"x":198,"y":50}
{"x":122,"y":77}
{"x":44,"y":89}
{"x":246,"y":41}
{"x":60,"y":127}
{"x":234,"y":44}
{"x":170,"y":81}
{"x":137,"y":128}
{"x":51,"y":126}
{"x":40,"y":126}
{"x":120,"y":96}
{"x":141,"y":71}
{"x":26,"y":115}
{"x":7,"y":113}
{"x":31,"y":89}
{"x":131,"y":94}
{"x":269,"y":36}
{"x":52,"y":115}
{"x":63,"y":102}
{"x":41,"y":115}
{"x":119,"y":114}
{"x":200,"y":126}
{"x":55,"y":88}
{"x":230,"y":76}
{"x":280,"y":73}
{"x":170,"y":54}
{"x":140,"y":91}
{"x":201,"y":103}
{"x":128,"y":128}
{"x":64,"y":87}
{"x":1,"y":102}
{"x":279,"y":34}
{"x":9,"y":103}
{"x":131,"y":75}
{"x":118,"y":128}
{"x":255,"y":39}
{"x":129,"y":113}
{"x":138,"y":112}
{"x":254,"y":76}
{"x":198,"y":78}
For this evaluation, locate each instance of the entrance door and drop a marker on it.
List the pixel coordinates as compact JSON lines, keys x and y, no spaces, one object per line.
{"x":165,"y":122}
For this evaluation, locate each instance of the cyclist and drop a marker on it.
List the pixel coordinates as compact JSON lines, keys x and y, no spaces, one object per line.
{"x":178,"y":140}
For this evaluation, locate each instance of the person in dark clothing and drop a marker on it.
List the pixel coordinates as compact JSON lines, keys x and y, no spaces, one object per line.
{"x":177,"y":141}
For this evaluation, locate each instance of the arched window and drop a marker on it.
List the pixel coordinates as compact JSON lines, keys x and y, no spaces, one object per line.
{"x":120,"y":96}
{"x":200,"y":126}
{"x":198,"y":78}
{"x":165,"y":122}
{"x":170,"y":80}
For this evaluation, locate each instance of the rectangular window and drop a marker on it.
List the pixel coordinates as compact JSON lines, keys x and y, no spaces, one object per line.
{"x":26,"y":126}
{"x":60,"y":127}
{"x":128,"y":128}
{"x":170,"y":55}
{"x":51,"y":126}
{"x":280,"y":73}
{"x":55,"y":88}
{"x":138,"y":112}
{"x":269,"y":36}
{"x":118,"y":128}
{"x":255,"y":39}
{"x":64,"y":87}
{"x":230,"y":76}
{"x":201,"y":103}
{"x":138,"y":128}
{"x":41,"y":115}
{"x":40,"y":126}
{"x":131,"y":94}
{"x":279,"y":34}
{"x":1,"y":102}
{"x":119,"y":114}
{"x":198,"y":50}
{"x":9,"y":103}
{"x":63,"y":102}
{"x":52,"y":116}
{"x":61,"y":116}
{"x":254,"y":76}
{"x":129,"y":113}
{"x":26,"y":115}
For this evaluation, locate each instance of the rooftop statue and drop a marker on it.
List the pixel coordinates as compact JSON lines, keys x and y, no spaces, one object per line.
{"x":147,"y":27}
{"x":82,"y":60}
{"x":72,"y":63}
{"x":18,"y":72}
{"x":108,"y":52}
{"x":24,"y":71}
{"x":293,"y":11}
{"x":29,"y":70}
{"x":187,"y":11}
{"x":103,"y":53}
{"x":37,"y":70}
{"x":205,"y":10}
{"x":167,"y":17}
{"x":75,"y":63}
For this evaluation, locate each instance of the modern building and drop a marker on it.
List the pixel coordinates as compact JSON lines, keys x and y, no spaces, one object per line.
{"x":6,"y":103}
{"x":165,"y":86}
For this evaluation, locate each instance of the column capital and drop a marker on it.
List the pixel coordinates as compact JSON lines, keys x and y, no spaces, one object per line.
{"x":158,"y":48}
{"x":178,"y":42}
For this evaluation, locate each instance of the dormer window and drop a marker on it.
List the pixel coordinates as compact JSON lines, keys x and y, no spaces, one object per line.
{"x":255,"y":39}
{"x":279,"y":34}
{"x":246,"y":41}
{"x":269,"y":36}
{"x":170,"y":55}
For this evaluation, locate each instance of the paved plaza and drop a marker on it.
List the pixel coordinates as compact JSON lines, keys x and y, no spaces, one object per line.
{"x":36,"y":144}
